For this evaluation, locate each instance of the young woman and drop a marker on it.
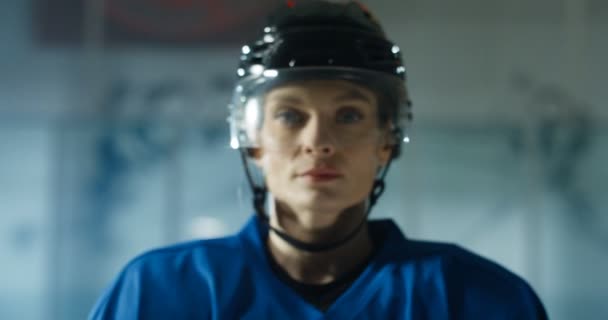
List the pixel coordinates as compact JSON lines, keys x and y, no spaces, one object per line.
{"x":319,"y":110}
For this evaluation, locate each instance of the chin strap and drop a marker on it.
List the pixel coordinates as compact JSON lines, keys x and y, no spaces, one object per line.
{"x":259,"y":201}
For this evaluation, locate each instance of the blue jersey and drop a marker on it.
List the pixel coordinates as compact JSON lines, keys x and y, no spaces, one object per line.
{"x":231,"y":278}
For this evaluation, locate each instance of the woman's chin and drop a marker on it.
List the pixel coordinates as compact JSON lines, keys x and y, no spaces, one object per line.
{"x":321,"y":203}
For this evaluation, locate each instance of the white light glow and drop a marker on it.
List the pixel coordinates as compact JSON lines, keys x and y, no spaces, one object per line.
{"x":406,"y":139}
{"x":246,"y":50}
{"x":240,"y":72}
{"x":395,"y":49}
{"x":271,"y":73}
{"x":234,"y":143}
{"x":256,"y":69}
{"x":268,"y":38}
{"x":252,"y":118}
{"x":251,"y":112}
{"x":400,"y":69}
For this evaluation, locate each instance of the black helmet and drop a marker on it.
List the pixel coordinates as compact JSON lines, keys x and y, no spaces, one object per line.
{"x":322,"y":33}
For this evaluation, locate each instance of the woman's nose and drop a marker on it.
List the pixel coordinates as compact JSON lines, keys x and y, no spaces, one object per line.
{"x":318,"y":139}
{"x":325,"y":150}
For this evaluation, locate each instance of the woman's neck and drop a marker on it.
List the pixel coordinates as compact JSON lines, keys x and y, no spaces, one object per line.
{"x":320,"y":267}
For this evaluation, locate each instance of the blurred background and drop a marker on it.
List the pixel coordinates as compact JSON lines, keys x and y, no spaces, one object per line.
{"x":113,"y":139}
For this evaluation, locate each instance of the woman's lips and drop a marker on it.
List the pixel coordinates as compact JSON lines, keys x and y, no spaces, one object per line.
{"x":322,"y":174}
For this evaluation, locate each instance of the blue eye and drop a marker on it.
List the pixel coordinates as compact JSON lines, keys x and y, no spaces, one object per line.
{"x":349,"y":115}
{"x":290,"y":117}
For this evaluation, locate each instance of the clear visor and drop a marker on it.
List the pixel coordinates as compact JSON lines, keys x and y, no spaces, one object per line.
{"x":333,"y":107}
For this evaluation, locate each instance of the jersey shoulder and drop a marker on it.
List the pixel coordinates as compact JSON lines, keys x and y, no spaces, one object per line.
{"x":456,"y":258}
{"x":477,"y":285}
{"x":205,"y":252}
{"x":176,"y":278}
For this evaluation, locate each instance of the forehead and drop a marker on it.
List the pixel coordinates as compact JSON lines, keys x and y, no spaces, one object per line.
{"x":327,"y":90}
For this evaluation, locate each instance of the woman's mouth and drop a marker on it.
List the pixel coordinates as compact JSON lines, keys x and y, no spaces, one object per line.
{"x":322,"y":174}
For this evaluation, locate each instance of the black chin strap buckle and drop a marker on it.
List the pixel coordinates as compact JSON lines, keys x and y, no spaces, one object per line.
{"x":377,"y":191}
{"x":259,"y":199}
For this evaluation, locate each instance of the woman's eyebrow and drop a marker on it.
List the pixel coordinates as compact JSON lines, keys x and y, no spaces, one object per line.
{"x":286,"y":98}
{"x":353,"y":94}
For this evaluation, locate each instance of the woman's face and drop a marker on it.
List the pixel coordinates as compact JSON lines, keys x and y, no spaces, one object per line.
{"x":320,"y":145}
